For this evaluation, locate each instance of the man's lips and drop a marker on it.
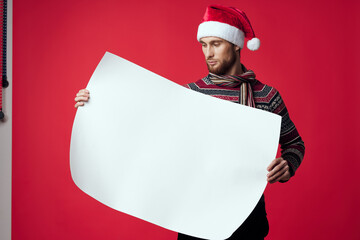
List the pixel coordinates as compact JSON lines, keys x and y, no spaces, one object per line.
{"x":211,"y":62}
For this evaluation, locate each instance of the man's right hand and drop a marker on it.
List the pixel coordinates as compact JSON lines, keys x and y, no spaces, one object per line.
{"x":82,"y":96}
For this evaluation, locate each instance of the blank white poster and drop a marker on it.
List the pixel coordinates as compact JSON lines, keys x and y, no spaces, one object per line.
{"x":188,"y":162}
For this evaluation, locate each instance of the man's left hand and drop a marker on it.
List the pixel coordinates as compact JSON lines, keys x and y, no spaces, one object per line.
{"x":278,"y":171}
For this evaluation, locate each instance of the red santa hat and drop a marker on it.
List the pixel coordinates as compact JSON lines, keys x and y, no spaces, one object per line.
{"x":228,"y":23}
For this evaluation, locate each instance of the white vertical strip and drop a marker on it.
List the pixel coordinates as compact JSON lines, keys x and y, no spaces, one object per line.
{"x":5,"y":139}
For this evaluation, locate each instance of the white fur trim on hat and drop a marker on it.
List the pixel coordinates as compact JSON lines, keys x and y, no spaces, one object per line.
{"x":221,"y":30}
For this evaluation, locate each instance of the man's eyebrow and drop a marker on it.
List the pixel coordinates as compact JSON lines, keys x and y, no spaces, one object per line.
{"x":212,"y":41}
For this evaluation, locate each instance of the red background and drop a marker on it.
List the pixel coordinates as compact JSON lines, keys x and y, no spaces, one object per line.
{"x":309,"y":52}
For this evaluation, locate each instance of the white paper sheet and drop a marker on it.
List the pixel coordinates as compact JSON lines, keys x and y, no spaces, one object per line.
{"x":177,"y":158}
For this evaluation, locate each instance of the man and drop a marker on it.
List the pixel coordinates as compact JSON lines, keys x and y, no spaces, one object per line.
{"x":222,"y":35}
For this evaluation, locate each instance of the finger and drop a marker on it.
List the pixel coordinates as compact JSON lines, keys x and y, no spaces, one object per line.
{"x":276,"y":177}
{"x":83,"y":99}
{"x":84,"y":90}
{"x":82,"y":94}
{"x":78,"y":104}
{"x":274,"y":163}
{"x":277,"y":168}
{"x":284,"y":176}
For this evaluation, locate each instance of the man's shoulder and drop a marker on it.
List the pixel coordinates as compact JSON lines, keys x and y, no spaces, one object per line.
{"x":262,"y":88}
{"x":266,"y":97}
{"x":200,"y":82}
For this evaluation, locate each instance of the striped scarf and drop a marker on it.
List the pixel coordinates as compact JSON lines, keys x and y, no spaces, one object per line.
{"x":244,"y":81}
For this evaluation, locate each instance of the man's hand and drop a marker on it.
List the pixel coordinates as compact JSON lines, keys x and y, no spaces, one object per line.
{"x":278,"y":171}
{"x":81,"y":97}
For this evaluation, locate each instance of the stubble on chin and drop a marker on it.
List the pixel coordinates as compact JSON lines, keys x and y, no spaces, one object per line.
{"x":221,"y":69}
{"x":223,"y":66}
{"x":214,"y":70}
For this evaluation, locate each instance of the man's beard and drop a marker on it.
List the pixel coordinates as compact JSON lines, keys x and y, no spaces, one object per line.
{"x":224,"y":66}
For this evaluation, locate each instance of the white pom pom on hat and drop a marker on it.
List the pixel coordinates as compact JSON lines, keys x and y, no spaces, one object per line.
{"x":230,"y":24}
{"x":253,"y":44}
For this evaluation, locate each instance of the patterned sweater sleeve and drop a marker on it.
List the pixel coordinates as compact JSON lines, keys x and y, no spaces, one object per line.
{"x":292,"y":146}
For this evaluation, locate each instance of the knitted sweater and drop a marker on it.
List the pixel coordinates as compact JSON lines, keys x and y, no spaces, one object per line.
{"x":266,"y":98}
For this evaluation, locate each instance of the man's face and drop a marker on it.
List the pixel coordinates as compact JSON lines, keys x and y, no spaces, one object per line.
{"x":220,"y":55}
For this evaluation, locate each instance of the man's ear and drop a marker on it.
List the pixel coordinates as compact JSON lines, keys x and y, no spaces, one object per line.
{"x":237,"y":48}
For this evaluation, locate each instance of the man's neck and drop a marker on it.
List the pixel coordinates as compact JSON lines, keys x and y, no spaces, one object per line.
{"x":236,"y":69}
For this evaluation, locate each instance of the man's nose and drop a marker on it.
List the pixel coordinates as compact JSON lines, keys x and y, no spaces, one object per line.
{"x":209,"y":52}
